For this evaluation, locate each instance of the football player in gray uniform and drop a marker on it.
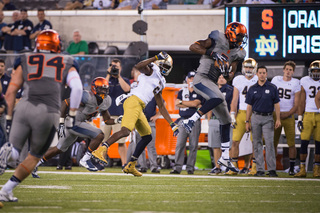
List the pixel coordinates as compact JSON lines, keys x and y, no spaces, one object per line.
{"x":93,"y":102}
{"x":218,"y":51}
{"x":43,"y":74}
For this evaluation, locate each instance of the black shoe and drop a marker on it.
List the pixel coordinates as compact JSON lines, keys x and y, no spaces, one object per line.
{"x":190,"y":172}
{"x":155,"y":170}
{"x":68,"y":168}
{"x":143,"y":170}
{"x":291,"y":173}
{"x":59,"y":167}
{"x":272,"y":173}
{"x":174,"y":172}
{"x":259,"y":174}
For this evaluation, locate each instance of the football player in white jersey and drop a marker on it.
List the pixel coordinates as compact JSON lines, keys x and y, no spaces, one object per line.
{"x":310,"y":124}
{"x":241,"y":84}
{"x":289,"y":93}
{"x":150,"y":84}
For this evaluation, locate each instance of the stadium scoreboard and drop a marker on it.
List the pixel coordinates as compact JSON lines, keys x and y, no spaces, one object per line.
{"x":279,"y":32}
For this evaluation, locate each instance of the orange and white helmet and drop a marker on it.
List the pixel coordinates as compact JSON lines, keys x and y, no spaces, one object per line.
{"x":100,"y":87}
{"x":48,"y":40}
{"x":236,"y":33}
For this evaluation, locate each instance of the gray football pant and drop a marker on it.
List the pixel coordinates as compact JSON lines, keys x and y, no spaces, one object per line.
{"x":151,"y":147}
{"x":193,"y":147}
{"x":263,"y":125}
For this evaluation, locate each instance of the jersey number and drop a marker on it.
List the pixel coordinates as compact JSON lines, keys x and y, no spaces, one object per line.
{"x":245,"y":91}
{"x":38,"y":60}
{"x":313,"y":90}
{"x":284,"y":93}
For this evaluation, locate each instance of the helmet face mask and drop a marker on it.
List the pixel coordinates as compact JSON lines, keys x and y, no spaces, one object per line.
{"x":100,"y":87}
{"x":49,"y":41}
{"x":236,"y":33}
{"x":165,"y":65}
{"x":249,"y":67}
{"x":314,"y":70}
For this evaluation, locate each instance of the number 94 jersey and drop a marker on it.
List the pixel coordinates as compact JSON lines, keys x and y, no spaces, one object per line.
{"x":43,"y":75}
{"x":311,"y":87}
{"x":287,"y":91}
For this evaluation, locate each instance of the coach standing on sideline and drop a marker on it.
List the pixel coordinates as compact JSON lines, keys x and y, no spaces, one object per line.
{"x":262,"y":98}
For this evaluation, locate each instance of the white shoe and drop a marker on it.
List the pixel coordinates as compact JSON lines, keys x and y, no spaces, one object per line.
{"x":88,"y":165}
{"x":5,"y":153}
{"x":227,"y":163}
{"x":7,"y":197}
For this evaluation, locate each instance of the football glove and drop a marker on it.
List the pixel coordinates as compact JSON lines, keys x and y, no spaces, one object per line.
{"x":233,"y":120}
{"x":118,"y":120}
{"x":61,"y":131}
{"x":300,"y":123}
{"x":9,"y":123}
{"x":161,"y":56}
{"x":175,"y":128}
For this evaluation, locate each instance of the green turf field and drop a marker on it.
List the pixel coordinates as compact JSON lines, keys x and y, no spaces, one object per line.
{"x":112,"y":191}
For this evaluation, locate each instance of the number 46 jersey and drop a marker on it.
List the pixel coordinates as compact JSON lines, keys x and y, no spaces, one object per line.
{"x":287,"y":91}
{"x":43,"y":75}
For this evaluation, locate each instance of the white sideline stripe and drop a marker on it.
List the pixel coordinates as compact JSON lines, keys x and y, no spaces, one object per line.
{"x":176,"y":176}
{"x":42,"y":187}
{"x":37,"y":207}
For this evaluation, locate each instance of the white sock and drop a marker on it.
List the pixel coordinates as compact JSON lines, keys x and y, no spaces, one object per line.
{"x":225,"y":150}
{"x":10,"y":185}
{"x":86,"y":156}
{"x":195,"y":117}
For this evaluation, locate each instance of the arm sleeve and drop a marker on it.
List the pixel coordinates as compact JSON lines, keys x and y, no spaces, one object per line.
{"x":74,"y":82}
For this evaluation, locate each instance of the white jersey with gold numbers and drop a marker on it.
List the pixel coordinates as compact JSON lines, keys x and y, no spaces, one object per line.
{"x":287,"y":91}
{"x":242,"y":84}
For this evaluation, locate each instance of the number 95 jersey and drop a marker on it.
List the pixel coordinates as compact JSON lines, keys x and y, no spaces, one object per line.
{"x":43,"y":75}
{"x":287,"y":91}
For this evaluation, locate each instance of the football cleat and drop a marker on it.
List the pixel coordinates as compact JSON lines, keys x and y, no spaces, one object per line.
{"x":88,"y":165}
{"x":302,"y":172}
{"x":244,"y":171}
{"x":98,"y":165}
{"x":316,"y":171}
{"x":7,"y":197}
{"x":227,"y":163}
{"x":253,"y":169}
{"x":215,"y":171}
{"x":131,"y":168}
{"x":291,"y":172}
{"x":100,"y":154}
{"x":187,"y":125}
{"x":5,"y":153}
{"x":34,"y":173}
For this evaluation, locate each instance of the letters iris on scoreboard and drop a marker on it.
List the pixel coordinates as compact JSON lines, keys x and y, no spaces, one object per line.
{"x":303,"y":31}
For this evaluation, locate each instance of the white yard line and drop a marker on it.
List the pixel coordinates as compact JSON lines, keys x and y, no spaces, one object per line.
{"x":176,"y":176}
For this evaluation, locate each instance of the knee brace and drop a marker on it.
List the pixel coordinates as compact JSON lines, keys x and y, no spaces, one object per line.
{"x":317,"y":147}
{"x":304,"y":147}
